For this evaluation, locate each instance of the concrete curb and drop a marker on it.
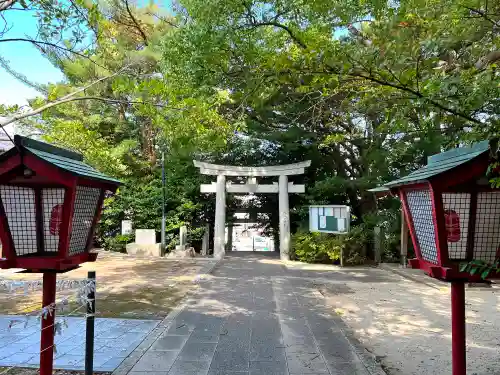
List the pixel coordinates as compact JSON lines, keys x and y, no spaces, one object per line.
{"x":134,"y":357}
{"x":433,"y":283}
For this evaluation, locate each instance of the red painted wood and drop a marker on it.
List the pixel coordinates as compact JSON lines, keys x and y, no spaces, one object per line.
{"x":67,"y":221}
{"x":473,"y":169}
{"x":48,"y":262}
{"x":47,"y":334}
{"x":439,"y":225}
{"x":39,"y":220}
{"x":458,"y":337}
{"x":7,"y":244}
{"x":43,"y":168}
{"x":472,"y":226}
{"x":409,"y":223}
{"x":451,"y":273}
{"x":97,"y":217}
{"x":9,"y":164}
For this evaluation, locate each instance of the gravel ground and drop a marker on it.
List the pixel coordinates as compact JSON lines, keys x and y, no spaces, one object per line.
{"x":127,"y":286}
{"x":407,"y":325}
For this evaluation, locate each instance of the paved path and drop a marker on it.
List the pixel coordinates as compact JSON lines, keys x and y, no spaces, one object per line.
{"x":115,"y":339}
{"x":253,"y":317}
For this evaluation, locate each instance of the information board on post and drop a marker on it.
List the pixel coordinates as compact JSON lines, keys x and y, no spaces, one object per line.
{"x":329,"y":219}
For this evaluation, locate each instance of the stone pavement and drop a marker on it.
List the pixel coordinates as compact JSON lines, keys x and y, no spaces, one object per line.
{"x":115,"y":339}
{"x":252,"y":317}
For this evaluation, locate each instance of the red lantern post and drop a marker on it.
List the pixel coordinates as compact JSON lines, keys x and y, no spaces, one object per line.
{"x":50,"y":202}
{"x":451,"y":211}
{"x":47,"y":335}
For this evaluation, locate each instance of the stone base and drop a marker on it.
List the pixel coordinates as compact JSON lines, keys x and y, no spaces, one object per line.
{"x":185,"y":253}
{"x":144,"y":250}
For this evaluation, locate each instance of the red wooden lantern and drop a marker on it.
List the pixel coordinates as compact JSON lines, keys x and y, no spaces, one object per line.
{"x":452,"y":212}
{"x":453,"y":215}
{"x":50,"y":202}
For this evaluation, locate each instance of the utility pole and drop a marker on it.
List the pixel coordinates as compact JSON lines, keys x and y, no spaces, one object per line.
{"x":163,"y":213}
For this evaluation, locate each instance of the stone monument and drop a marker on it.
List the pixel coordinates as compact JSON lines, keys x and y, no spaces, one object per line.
{"x":182,"y":250}
{"x":182,"y":238}
{"x":205,"y":240}
{"x":145,"y":244}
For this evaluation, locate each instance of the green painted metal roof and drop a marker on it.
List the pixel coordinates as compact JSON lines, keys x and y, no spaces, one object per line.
{"x":67,"y":160}
{"x":379,"y":189}
{"x":440,"y":163}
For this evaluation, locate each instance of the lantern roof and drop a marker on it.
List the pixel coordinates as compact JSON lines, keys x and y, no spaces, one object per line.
{"x":66,"y":160}
{"x":438,"y":164}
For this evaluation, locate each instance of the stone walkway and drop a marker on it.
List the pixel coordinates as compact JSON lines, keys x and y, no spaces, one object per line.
{"x":115,"y":339}
{"x":252,"y":317}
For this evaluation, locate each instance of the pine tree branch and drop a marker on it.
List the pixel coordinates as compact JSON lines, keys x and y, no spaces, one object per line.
{"x":294,"y":37}
{"x":137,"y":26}
{"x":6,"y":4}
{"x":39,"y":44}
{"x":65,"y":99}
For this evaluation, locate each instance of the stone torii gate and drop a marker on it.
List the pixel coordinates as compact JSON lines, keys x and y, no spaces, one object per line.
{"x":283,"y":188}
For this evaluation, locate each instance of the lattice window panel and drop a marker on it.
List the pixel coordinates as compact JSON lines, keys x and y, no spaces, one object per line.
{"x":458,"y":203}
{"x":420,"y":205}
{"x":19,"y":205}
{"x":50,"y":199}
{"x":85,"y":208}
{"x":487,"y":228}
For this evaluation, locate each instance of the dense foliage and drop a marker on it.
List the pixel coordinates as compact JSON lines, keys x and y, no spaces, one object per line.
{"x":365,"y":90}
{"x":327,"y":248}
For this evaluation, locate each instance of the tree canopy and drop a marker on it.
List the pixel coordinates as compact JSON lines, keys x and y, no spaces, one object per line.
{"x":365,"y":90}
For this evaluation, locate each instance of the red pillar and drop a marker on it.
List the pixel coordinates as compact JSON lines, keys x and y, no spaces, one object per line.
{"x":458,"y":327}
{"x":47,"y":335}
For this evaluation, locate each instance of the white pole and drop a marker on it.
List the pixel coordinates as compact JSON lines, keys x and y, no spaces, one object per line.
{"x":284,"y":217}
{"x":220,"y":217}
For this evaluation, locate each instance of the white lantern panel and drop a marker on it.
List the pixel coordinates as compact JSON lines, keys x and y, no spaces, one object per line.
{"x":487,"y":228}
{"x":19,"y":205}
{"x":85,"y":208}
{"x":52,"y":202}
{"x":456,"y":216}
{"x":420,"y":205}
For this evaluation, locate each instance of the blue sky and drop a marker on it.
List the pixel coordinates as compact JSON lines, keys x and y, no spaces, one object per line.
{"x":23,"y":58}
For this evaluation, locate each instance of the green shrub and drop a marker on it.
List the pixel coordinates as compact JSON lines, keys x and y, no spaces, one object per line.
{"x":314,"y":248}
{"x":326,"y":247}
{"x":117,"y":243}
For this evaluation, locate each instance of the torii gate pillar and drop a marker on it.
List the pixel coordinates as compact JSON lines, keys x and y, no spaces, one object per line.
{"x":284,"y":211}
{"x":220,"y":217}
{"x":283,"y":188}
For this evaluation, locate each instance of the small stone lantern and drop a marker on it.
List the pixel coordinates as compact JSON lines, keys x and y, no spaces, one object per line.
{"x":453,"y":216}
{"x":50,"y":203}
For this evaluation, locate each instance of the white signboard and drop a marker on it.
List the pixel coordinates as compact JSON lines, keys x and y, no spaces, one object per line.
{"x":329,"y":218}
{"x":126,"y":227}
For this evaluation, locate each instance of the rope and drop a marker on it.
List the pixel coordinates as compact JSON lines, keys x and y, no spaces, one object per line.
{"x":41,"y":351}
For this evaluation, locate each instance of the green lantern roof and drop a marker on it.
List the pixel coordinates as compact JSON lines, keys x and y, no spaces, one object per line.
{"x":440,"y":163}
{"x":61,"y":158}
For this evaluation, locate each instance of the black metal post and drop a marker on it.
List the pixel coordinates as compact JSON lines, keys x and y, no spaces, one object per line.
{"x":90,"y":323}
{"x":163,"y":214}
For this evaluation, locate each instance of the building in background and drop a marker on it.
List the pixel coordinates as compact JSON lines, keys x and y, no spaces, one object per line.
{"x":5,"y":143}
